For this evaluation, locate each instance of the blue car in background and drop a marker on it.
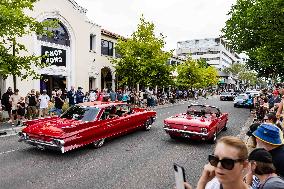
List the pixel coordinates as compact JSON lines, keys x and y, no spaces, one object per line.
{"x":244,"y":101}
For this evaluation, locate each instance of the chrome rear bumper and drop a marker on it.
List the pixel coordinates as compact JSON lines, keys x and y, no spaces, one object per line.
{"x":186,"y":132}
{"x":42,"y":145}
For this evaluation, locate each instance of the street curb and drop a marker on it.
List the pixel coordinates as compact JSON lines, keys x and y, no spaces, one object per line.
{"x":245,"y":128}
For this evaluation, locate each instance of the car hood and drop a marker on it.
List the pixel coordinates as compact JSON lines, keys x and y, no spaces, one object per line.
{"x":54,"y":127}
{"x":188,"y":120}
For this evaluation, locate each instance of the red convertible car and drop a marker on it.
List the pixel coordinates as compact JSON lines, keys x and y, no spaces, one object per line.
{"x":86,"y":123}
{"x":200,"y":122}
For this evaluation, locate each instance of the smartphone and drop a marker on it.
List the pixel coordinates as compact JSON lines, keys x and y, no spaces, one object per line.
{"x":179,"y":176}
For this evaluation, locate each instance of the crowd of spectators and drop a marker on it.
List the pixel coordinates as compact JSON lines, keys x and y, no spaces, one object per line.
{"x":37,"y":104}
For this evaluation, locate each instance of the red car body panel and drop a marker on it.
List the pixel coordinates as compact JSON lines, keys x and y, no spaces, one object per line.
{"x":67,"y":134}
{"x":195,"y":127}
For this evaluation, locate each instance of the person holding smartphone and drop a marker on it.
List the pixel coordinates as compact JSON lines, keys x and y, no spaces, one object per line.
{"x":226,"y":166}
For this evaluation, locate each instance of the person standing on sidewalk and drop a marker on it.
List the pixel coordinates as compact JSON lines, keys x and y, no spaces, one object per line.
{"x":58,"y":103}
{"x":14,"y":99}
{"x":261,"y":172}
{"x":268,"y":137}
{"x":43,"y":104}
{"x":21,"y":110}
{"x":71,"y":95}
{"x":32,"y":102}
{"x":5,"y":101}
{"x":79,"y":95}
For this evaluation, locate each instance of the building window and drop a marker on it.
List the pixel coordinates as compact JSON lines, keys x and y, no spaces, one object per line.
{"x":107,"y":47}
{"x":93,"y":42}
{"x":60,"y":35}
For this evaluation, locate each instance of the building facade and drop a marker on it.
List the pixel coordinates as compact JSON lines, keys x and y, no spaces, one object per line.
{"x":216,"y":53}
{"x":79,"y":51}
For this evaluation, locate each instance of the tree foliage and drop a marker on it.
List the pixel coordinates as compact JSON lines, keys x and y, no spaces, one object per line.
{"x":257,"y":28}
{"x":142,"y":59}
{"x":196,"y":74}
{"x":14,"y":58}
{"x":242,"y":73}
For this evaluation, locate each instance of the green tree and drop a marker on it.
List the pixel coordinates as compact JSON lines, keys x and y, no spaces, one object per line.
{"x":196,"y":74}
{"x":256,"y":27}
{"x":14,"y":58}
{"x":142,"y":59}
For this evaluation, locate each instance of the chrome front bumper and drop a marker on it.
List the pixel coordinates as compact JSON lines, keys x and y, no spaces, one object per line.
{"x":186,"y":132}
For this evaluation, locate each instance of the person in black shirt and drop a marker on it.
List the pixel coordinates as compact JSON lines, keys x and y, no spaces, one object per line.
{"x":58,"y":103}
{"x":5,"y":101}
{"x":71,"y":95}
{"x":32,"y":103}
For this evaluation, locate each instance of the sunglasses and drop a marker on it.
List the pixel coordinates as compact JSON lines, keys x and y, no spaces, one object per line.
{"x":226,"y":162}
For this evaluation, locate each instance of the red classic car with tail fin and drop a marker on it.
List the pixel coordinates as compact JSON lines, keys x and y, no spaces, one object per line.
{"x":201,"y":122}
{"x":86,"y":123}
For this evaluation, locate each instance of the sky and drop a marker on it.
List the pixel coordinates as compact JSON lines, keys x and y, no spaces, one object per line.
{"x":178,"y":20}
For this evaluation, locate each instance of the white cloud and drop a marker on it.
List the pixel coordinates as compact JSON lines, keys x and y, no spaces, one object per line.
{"x":176,"y":19}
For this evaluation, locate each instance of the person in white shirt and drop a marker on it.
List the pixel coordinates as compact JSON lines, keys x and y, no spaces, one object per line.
{"x":43,"y":104}
{"x":14,"y":99}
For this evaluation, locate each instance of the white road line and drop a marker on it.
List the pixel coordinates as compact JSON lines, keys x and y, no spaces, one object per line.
{"x":13,"y":134}
{"x":2,"y":153}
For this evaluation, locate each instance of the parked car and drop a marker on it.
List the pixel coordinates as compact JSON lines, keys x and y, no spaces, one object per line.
{"x":86,"y":123}
{"x":227,"y":96}
{"x":200,"y":122}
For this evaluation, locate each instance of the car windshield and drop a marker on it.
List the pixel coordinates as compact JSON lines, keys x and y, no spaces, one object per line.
{"x":224,"y":93}
{"x":241,"y":97}
{"x":201,"y":109}
{"x":83,"y":113}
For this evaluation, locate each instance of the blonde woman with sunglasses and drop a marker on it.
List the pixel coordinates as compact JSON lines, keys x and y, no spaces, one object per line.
{"x":226,"y":166}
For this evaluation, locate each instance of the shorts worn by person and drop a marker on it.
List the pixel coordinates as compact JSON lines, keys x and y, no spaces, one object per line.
{"x":269,"y":138}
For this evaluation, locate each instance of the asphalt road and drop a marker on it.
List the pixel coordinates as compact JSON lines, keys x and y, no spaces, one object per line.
{"x":143,"y":159}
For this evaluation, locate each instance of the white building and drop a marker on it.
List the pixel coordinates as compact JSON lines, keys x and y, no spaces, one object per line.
{"x":79,"y":51}
{"x":216,"y":53}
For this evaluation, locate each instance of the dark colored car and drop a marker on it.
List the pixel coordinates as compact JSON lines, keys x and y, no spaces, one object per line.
{"x":228,"y":96}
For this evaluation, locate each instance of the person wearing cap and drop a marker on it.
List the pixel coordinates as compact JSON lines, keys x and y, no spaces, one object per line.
{"x":274,"y":100}
{"x":79,"y":95}
{"x":262,"y":172}
{"x":268,"y":137}
{"x":43,"y":104}
{"x":14,"y":99}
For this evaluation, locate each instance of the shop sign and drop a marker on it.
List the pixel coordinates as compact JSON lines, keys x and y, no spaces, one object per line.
{"x":53,"y":56}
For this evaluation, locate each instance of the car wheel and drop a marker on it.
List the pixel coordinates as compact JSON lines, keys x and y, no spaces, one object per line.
{"x":148,"y":124}
{"x":99,"y":143}
{"x":214,"y":138}
{"x":173,"y":137}
{"x":225,"y":128}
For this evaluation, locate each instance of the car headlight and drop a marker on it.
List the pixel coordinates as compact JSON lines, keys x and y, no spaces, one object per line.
{"x":203,"y":130}
{"x":58,"y":142}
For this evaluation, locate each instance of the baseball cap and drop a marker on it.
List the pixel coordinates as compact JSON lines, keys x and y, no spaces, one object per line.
{"x":261,"y":155}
